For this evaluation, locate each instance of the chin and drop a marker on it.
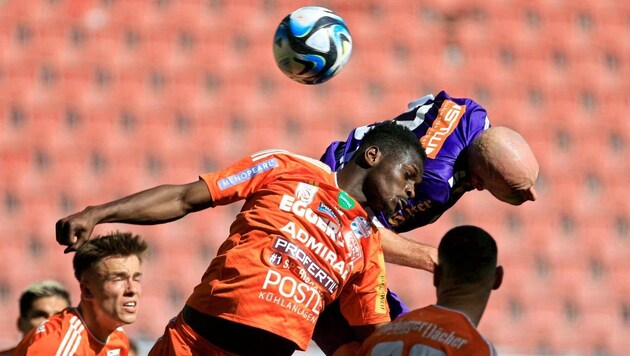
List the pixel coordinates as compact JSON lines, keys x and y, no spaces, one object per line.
{"x":127,"y":319}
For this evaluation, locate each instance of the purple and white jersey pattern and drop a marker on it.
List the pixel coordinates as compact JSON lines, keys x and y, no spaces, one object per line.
{"x":445,"y":126}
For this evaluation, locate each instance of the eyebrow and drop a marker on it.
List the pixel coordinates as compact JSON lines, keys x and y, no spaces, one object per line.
{"x":39,"y":312}
{"x":416,"y":169}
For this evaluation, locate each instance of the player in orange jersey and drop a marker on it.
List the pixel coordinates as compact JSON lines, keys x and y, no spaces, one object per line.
{"x":38,"y":302}
{"x":464,"y":276}
{"x":301,"y":241}
{"x":108,"y":271}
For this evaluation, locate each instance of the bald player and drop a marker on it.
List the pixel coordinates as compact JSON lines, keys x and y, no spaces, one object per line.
{"x":463,"y":153}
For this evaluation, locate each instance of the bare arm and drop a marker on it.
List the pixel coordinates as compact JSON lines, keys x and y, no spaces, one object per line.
{"x":407,"y":252}
{"x":157,"y":205}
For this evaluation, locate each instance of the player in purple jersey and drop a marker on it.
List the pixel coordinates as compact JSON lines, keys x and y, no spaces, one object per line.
{"x":447,"y":128}
{"x":463,"y":153}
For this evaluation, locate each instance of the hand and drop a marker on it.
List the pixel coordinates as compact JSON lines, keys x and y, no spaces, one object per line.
{"x":74,"y":230}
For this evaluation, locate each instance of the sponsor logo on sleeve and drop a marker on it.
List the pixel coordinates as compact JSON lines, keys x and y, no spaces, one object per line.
{"x":115,"y":352}
{"x":360,"y":227}
{"x":355,"y":252}
{"x":247,"y":174}
{"x":447,"y":119}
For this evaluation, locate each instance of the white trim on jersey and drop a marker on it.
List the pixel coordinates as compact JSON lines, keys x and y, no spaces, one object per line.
{"x":72,"y":338}
{"x":373,"y":219}
{"x":266,"y":153}
{"x":420,"y":101}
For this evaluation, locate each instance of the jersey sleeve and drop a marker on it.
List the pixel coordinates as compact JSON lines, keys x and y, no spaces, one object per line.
{"x":242,"y":178}
{"x":44,"y":339}
{"x":364,"y":301}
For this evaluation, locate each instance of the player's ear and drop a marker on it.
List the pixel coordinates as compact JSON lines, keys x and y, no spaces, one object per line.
{"x":372,"y":155}
{"x":476,"y":182}
{"x":437,"y":275}
{"x":86,"y":293}
{"x":498,"y":277}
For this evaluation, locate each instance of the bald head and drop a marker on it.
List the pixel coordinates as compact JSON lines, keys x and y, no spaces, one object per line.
{"x":501,"y":161}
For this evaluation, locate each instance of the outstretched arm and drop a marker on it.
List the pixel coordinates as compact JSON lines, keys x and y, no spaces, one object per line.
{"x":157,"y":205}
{"x":407,"y":252}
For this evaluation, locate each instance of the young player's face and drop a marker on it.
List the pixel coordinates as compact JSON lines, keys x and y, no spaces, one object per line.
{"x":392,"y":182}
{"x":117,"y":290}
{"x":42,"y":309}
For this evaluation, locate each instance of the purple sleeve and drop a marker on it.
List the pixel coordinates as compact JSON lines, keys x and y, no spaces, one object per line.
{"x":330,"y":156}
{"x":396,"y":306}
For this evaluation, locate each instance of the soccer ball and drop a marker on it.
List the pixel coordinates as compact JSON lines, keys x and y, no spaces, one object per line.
{"x":312,"y":44}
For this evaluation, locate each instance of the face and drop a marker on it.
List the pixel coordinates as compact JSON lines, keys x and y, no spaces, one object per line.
{"x":391,"y":181}
{"x":514,"y":191}
{"x":42,"y":309}
{"x":114,"y":290}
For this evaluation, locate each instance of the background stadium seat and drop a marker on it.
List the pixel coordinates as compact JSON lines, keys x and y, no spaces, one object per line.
{"x":102,"y":99}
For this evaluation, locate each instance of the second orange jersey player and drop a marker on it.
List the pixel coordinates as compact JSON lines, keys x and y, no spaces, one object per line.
{"x":465,"y":275}
{"x":430,"y":328}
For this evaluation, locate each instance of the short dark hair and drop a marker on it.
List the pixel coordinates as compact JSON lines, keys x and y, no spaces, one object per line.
{"x":120,"y":244}
{"x":45,"y":288}
{"x":468,"y":254}
{"x":391,"y":137}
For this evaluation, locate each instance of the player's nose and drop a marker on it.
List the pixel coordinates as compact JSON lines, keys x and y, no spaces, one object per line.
{"x":410,"y":190}
{"x":530,"y":194}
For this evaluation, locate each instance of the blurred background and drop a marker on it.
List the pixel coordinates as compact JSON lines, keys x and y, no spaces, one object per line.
{"x":102,"y":98}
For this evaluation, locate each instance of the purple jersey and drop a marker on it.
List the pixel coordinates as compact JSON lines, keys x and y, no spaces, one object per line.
{"x":445,"y":127}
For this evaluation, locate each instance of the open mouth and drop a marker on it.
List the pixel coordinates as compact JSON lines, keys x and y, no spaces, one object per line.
{"x":130,"y":306}
{"x":401,"y":204}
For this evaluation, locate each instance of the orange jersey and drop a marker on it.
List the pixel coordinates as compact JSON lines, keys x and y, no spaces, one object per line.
{"x":298,"y":243}
{"x":432,"y":330}
{"x":65,"y":334}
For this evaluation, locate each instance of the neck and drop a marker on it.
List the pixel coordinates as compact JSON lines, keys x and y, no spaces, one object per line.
{"x":471,"y":303}
{"x":350,"y":178}
{"x":98,"y":329}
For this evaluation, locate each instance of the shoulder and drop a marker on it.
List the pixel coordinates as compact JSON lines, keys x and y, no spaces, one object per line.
{"x":56,"y":324}
{"x":286,"y":158}
{"x":473,"y":115}
{"x":49,"y":335}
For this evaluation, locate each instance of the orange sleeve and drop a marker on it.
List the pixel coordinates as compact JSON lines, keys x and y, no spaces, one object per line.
{"x":364,"y":301}
{"x":239,"y":180}
{"x":41,"y":340}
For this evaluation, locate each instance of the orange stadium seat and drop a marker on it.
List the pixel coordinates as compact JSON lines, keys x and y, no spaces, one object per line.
{"x":103,"y":99}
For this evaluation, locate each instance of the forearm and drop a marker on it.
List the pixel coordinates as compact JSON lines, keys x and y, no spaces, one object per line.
{"x":407,"y":252}
{"x":157,"y":205}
